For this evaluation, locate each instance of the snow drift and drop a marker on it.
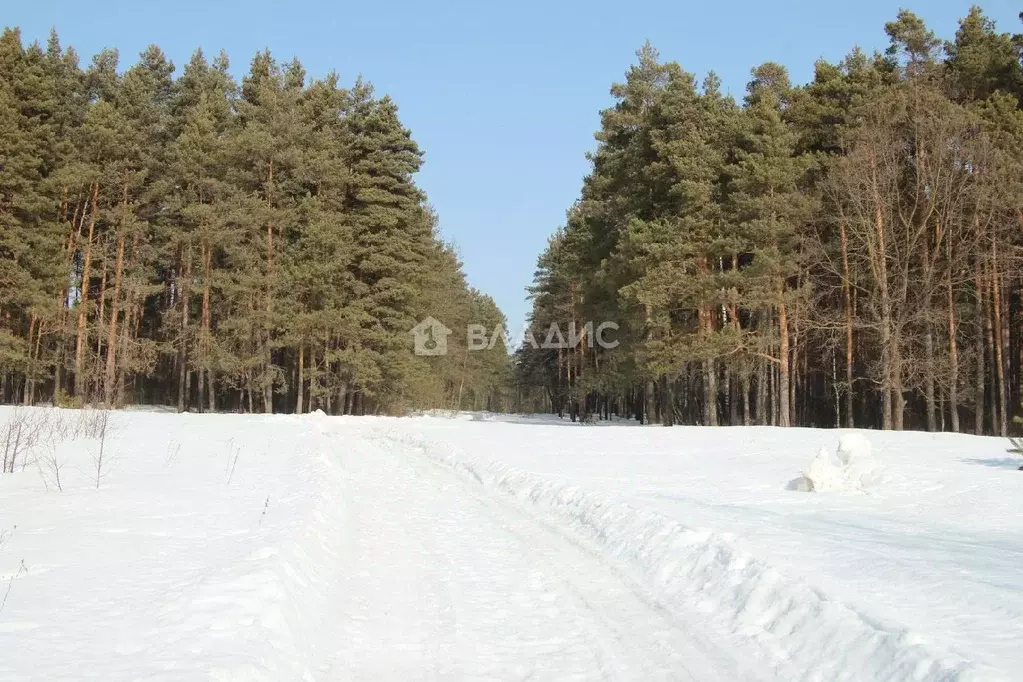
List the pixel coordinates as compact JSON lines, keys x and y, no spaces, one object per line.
{"x":852,"y":467}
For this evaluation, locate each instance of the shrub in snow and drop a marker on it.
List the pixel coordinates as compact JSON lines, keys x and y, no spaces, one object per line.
{"x":852,"y":467}
{"x":19,"y":436}
{"x":52,"y":461}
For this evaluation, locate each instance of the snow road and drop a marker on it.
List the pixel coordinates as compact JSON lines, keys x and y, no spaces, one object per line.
{"x":447,"y":582}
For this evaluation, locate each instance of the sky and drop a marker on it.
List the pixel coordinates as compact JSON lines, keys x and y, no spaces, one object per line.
{"x":503,"y":97}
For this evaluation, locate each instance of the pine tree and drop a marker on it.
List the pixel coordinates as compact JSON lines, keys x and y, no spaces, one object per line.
{"x":33,"y":150}
{"x":981,"y":61}
{"x":194,"y":234}
{"x":770,"y":209}
{"x":392,"y":238}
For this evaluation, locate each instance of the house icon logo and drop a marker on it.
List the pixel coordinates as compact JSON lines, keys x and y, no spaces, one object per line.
{"x":430,"y":337}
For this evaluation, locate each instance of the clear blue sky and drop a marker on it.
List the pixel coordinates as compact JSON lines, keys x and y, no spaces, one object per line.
{"x":502,"y":96}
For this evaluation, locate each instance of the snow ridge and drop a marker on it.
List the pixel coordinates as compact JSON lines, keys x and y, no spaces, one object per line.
{"x":796,"y":630}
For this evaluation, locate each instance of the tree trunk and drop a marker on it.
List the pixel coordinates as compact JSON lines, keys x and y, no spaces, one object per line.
{"x":342,"y":398}
{"x":990,"y":353}
{"x":783,"y":365}
{"x":980,"y":349}
{"x":880,"y":267}
{"x":248,"y":391}
{"x":205,"y":323}
{"x":847,"y":300}
{"x":267,"y":341}
{"x":730,"y":402}
{"x":710,"y":378}
{"x":301,"y":378}
{"x":122,"y":346}
{"x":84,"y":297}
{"x":838,"y":390}
{"x":710,"y":393}
{"x":188,"y":385}
{"x":35,"y":365}
{"x":953,"y":356}
{"x":929,"y":396}
{"x":668,"y":407}
{"x":111,"y":368}
{"x":30,"y":363}
{"x":746,"y":421}
{"x":999,"y":355}
{"x":183,"y":347}
{"x":74,"y":234}
{"x":762,"y":394}
{"x":350,"y":401}
{"x":898,"y":390}
{"x":211,"y":389}
{"x":200,"y":379}
{"x":100,"y":319}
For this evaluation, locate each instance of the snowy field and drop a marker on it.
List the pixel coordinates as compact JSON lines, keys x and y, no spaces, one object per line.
{"x":231,"y":547}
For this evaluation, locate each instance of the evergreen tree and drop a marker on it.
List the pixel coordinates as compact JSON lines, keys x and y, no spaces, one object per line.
{"x":769,"y":208}
{"x":194,"y":242}
{"x":392,"y":240}
{"x":838,"y":253}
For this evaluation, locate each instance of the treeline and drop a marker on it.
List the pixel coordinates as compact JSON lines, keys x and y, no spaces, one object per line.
{"x":215,"y":245}
{"x":843,"y":253}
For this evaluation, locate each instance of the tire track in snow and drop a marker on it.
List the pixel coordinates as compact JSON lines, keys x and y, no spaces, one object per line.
{"x":609,"y":635}
{"x":629,"y":634}
{"x":399,"y":612}
{"x":421,"y":539}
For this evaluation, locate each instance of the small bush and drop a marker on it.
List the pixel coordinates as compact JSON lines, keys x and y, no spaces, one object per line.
{"x":22,"y":432}
{"x":64,"y":400}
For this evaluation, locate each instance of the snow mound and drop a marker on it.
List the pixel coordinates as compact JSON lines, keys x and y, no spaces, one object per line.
{"x":853,"y":446}
{"x":797,"y":631}
{"x":824,"y":472}
{"x":852,"y":467}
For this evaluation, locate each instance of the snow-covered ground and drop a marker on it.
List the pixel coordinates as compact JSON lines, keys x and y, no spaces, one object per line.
{"x":168,"y":570}
{"x":233,"y":547}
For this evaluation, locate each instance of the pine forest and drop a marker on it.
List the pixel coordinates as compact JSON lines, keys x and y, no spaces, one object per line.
{"x":214,"y":245}
{"x":844,"y":252}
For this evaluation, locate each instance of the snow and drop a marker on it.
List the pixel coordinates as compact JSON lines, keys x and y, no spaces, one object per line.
{"x":167,"y":571}
{"x":852,"y":467}
{"x":482,"y":546}
{"x":928,"y":556}
{"x":852,"y":447}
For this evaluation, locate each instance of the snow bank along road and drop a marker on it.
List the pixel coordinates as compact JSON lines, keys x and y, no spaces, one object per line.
{"x":315,"y":548}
